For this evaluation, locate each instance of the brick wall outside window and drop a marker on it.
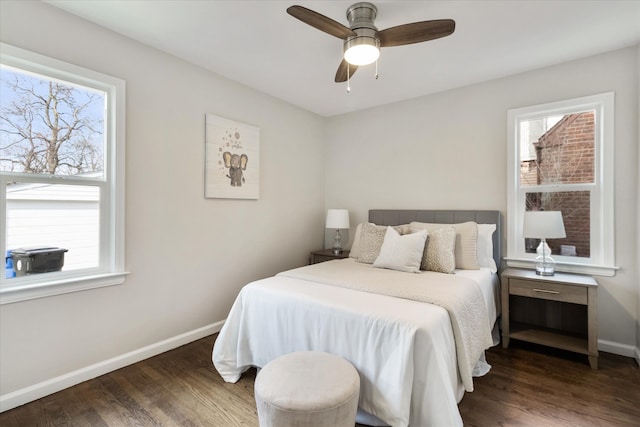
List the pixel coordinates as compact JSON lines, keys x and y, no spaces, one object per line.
{"x":565,"y":155}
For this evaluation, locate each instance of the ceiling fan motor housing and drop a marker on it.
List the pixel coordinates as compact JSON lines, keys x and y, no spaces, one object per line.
{"x":361,"y":16}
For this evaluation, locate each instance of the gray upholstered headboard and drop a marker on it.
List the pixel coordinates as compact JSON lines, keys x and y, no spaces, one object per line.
{"x":404,"y":216}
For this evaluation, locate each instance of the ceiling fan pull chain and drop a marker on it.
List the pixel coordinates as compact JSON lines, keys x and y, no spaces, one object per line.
{"x":377,"y":70}
{"x":348,"y":79}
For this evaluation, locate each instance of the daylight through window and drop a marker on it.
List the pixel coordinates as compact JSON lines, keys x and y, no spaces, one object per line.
{"x":560,"y":159}
{"x":61,"y":175}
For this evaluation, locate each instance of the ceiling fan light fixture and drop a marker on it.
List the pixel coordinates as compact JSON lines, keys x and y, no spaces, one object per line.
{"x":362,"y":40}
{"x":361,"y":50}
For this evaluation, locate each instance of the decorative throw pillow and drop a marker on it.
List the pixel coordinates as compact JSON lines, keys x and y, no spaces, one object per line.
{"x":403,"y":253}
{"x":439,"y":254}
{"x":371,"y":239}
{"x":355,"y":246}
{"x":466,"y":250}
{"x":485,"y":246}
{"x":402,"y":229}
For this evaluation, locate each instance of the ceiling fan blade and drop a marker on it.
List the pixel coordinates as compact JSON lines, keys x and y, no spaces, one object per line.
{"x":341,"y":74}
{"x":416,"y":32}
{"x":320,"y":22}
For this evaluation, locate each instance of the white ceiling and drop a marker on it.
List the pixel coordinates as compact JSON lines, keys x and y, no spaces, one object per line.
{"x":258,"y":44}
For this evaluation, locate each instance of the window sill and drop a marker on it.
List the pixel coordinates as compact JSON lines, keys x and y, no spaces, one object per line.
{"x":59,"y":286}
{"x":591,"y":269}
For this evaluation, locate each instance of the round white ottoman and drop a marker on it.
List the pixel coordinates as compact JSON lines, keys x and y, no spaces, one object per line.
{"x":310,"y":389}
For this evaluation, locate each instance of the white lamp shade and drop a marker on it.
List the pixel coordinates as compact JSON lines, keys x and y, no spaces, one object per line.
{"x":337,"y":218}
{"x":543,"y":225}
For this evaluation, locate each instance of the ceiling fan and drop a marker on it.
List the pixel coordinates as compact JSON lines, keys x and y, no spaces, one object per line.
{"x":362,"y":40}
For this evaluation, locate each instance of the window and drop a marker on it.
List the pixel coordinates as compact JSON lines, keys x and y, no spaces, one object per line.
{"x":561,"y":159}
{"x":61,"y":177}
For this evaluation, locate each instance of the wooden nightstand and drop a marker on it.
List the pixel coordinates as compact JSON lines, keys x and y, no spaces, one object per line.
{"x":557,"y":311}
{"x":326,"y":255}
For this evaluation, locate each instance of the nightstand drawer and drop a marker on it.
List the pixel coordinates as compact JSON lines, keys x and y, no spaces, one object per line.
{"x":549,"y":291}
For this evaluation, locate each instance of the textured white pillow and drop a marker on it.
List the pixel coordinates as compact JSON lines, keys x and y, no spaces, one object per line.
{"x":466,"y":250}
{"x":439,"y":254}
{"x":403,"y":253}
{"x":485,"y":246}
{"x":371,"y":239}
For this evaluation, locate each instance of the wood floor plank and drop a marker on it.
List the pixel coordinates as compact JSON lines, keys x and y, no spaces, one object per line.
{"x":528,"y":385}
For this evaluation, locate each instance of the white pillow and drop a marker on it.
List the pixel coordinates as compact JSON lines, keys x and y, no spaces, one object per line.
{"x":401,"y":252}
{"x":355,"y":246}
{"x":485,"y":246}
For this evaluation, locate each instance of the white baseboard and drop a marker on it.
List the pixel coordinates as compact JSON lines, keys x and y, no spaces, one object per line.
{"x":618,"y":348}
{"x":53,"y":385}
{"x":637,"y":355}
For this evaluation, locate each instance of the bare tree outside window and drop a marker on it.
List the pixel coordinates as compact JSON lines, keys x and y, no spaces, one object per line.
{"x":49,"y":127}
{"x":51,"y":130}
{"x":62,"y":127}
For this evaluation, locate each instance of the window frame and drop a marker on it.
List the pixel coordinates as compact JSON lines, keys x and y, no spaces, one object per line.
{"x":111,"y":269}
{"x":602,"y":240}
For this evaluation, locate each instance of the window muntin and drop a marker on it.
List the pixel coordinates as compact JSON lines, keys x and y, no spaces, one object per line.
{"x":561,"y":158}
{"x":94,"y":177}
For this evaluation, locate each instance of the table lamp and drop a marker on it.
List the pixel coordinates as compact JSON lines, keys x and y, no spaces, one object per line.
{"x":337,"y":219}
{"x":544,"y":225}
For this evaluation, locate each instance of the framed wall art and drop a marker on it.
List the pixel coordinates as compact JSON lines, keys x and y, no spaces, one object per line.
{"x":232,"y":159}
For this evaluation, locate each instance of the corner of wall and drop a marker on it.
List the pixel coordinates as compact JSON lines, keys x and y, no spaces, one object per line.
{"x":638,"y":208}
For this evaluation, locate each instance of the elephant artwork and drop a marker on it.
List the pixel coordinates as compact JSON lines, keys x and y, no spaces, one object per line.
{"x":236,"y":164}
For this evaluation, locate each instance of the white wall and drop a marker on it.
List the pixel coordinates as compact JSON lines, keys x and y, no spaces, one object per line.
{"x":188,"y":256}
{"x":448,"y":151}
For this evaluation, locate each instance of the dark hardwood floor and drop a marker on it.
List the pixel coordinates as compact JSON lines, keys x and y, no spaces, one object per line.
{"x":532,"y":385}
{"x":528,"y":386}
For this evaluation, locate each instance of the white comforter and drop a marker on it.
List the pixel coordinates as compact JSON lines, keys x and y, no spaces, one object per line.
{"x":404,"y":350}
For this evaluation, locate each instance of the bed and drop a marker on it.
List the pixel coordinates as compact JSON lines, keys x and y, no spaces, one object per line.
{"x":416,"y":339}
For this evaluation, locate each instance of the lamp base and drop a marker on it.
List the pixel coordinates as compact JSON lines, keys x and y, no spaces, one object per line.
{"x":337,"y":243}
{"x":542,"y":271}
{"x":545,"y":265}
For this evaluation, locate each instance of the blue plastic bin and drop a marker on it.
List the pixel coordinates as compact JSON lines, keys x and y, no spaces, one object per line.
{"x":8,"y":266}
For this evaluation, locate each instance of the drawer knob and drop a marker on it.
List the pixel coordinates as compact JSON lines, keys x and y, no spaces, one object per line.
{"x":546,"y":291}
